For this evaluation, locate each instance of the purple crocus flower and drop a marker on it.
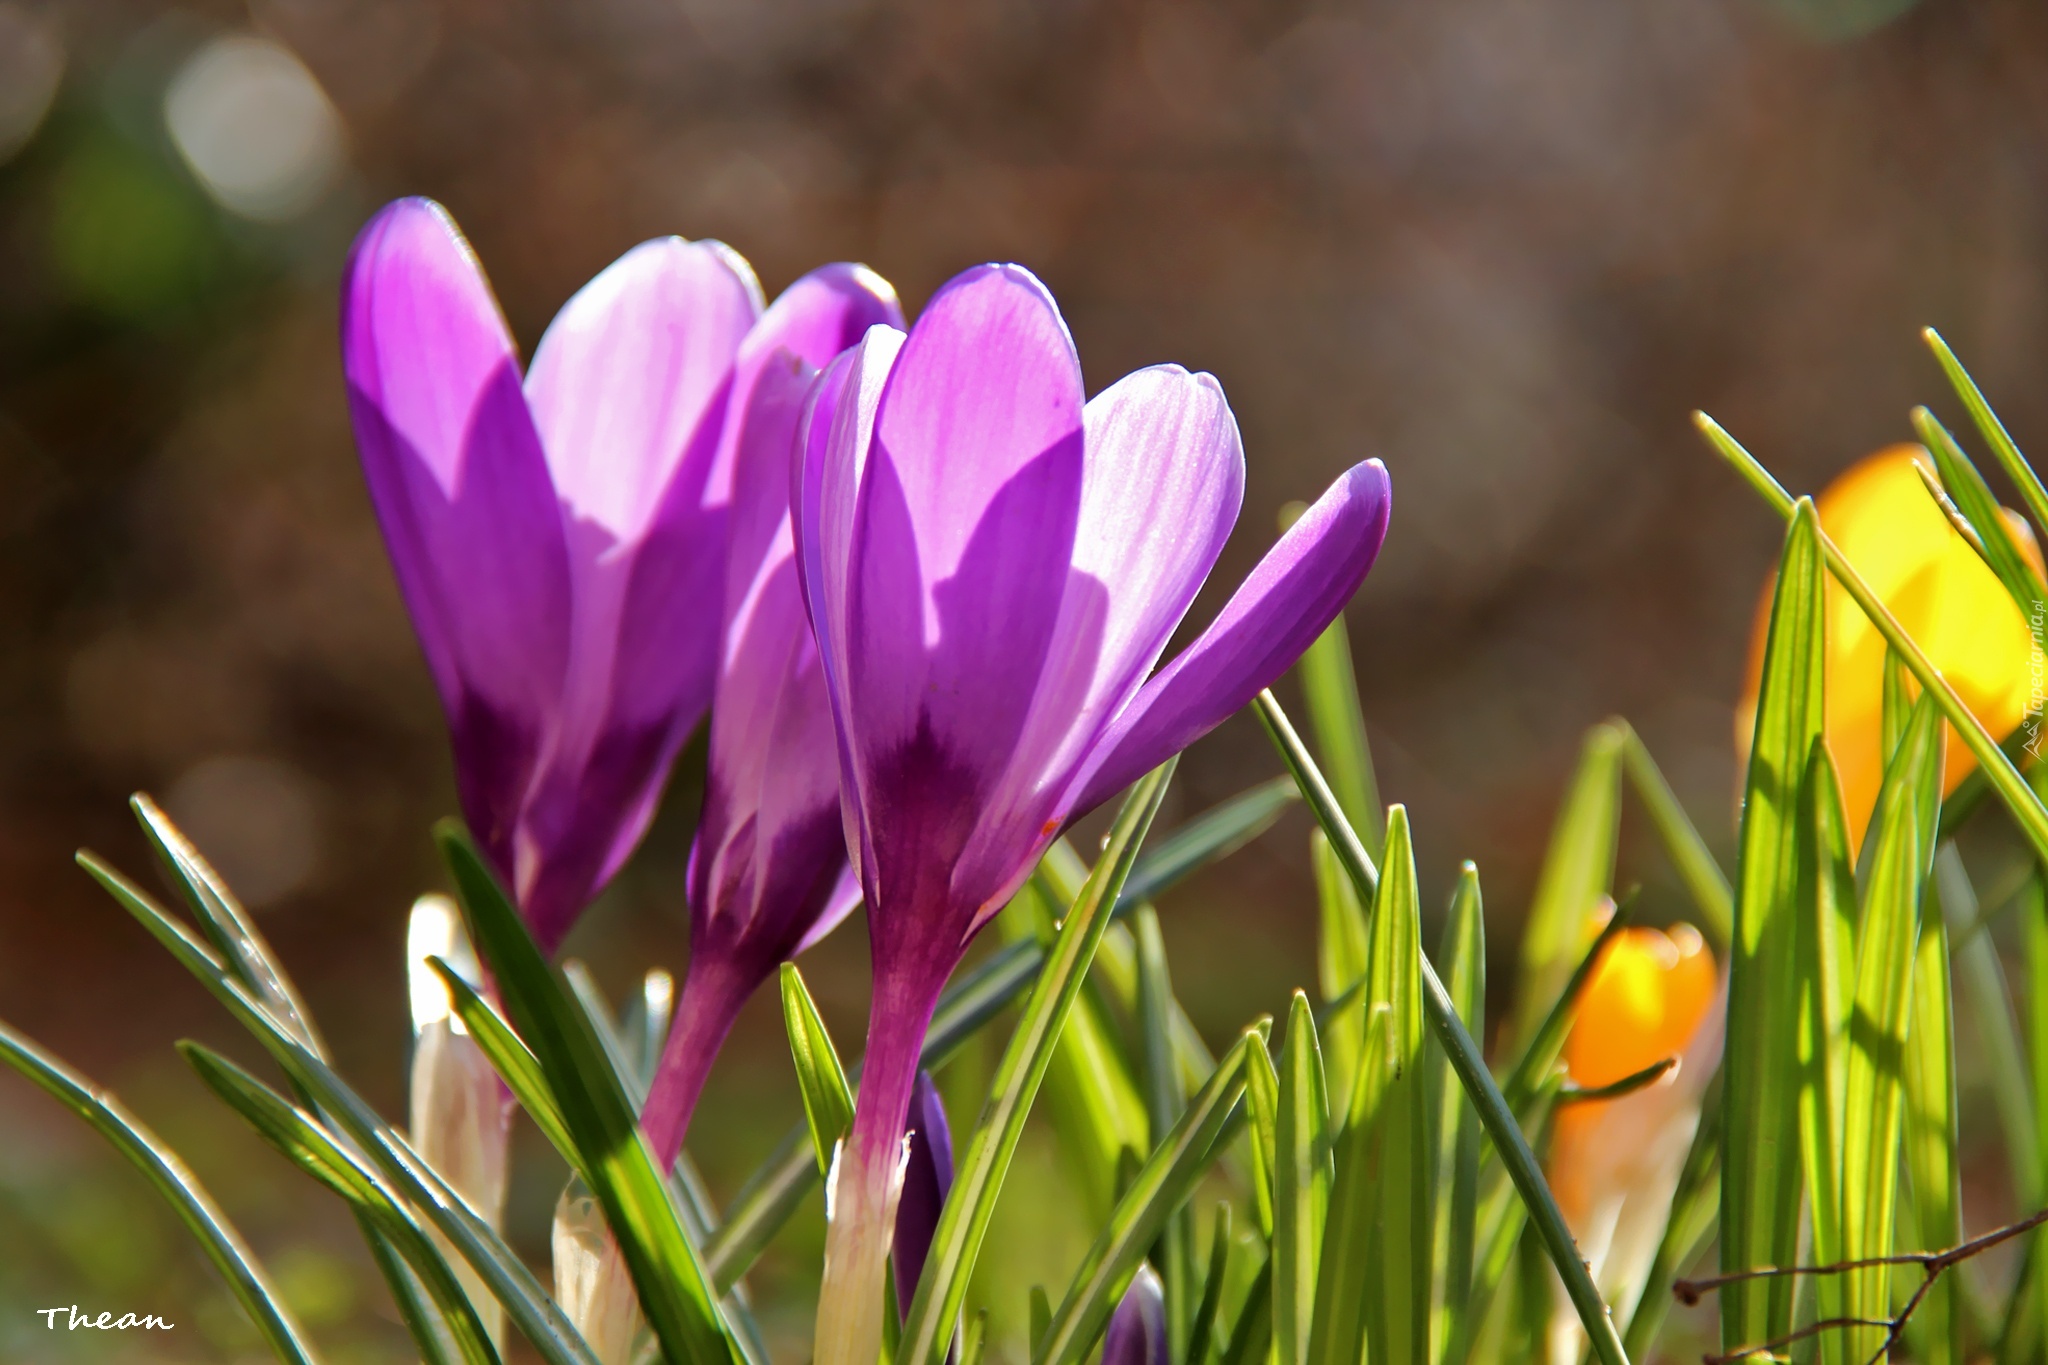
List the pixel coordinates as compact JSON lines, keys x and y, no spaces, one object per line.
{"x":927,"y":1176}
{"x":1137,"y":1329}
{"x":993,"y":568}
{"x":555,"y":535}
{"x":768,"y":875}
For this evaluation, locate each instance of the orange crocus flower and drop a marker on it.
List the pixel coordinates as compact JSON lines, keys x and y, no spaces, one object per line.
{"x":1880,"y":515}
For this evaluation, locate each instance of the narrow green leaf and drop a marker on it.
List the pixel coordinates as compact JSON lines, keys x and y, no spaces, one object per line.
{"x":1825,"y":973}
{"x":1165,"y":1097}
{"x":1373,"y":1285}
{"x":1688,"y":852}
{"x":234,"y":934}
{"x":1161,"y":1186}
{"x":2034,"y":921}
{"x":1761,"y":1159}
{"x":1578,"y":870}
{"x":528,"y":1305}
{"x":1463,"y":955}
{"x":1213,"y":835}
{"x":1262,"y":1101}
{"x":1204,"y":1334}
{"x":1251,"y":1336}
{"x":1464,"y":1054}
{"x":1331,"y":688}
{"x":975,"y":1345}
{"x":978,"y":1179}
{"x":167,"y":1172}
{"x":1980,"y":980}
{"x":510,"y":1059}
{"x":1532,"y":1070}
{"x":1090,"y":1095}
{"x":1301,"y":1183}
{"x":828,"y":1103}
{"x":1887,"y":940}
{"x":1040,"y":1319}
{"x":1995,"y":435}
{"x":1932,"y":1140}
{"x":675,"y":1294}
{"x":1997,"y":766}
{"x":302,"y":1141}
{"x":1340,"y":965}
{"x":1990,"y":535}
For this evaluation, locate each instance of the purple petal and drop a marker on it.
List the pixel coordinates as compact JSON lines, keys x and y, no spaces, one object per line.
{"x":461,"y":489}
{"x":1163,"y":481}
{"x":964,"y":529}
{"x":630,"y":388}
{"x":927,"y":1177}
{"x":1293,"y":594}
{"x":770,"y":850}
{"x":1137,"y":1329}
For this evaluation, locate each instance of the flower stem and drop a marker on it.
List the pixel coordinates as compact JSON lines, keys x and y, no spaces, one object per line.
{"x":868,"y":1176}
{"x":713,"y":992}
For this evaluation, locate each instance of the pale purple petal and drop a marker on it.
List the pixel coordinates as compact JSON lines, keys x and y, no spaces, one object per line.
{"x":461,"y":489}
{"x":964,"y":530}
{"x":927,"y":1177}
{"x":1137,"y":1329}
{"x":1163,"y":481}
{"x":1293,"y":594}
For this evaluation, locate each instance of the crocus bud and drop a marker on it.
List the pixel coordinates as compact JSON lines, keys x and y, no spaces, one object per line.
{"x":458,"y":1116}
{"x":591,"y":1281}
{"x":927,"y":1176}
{"x":1880,"y":515}
{"x":1137,"y":1330}
{"x":1614,"y":1164}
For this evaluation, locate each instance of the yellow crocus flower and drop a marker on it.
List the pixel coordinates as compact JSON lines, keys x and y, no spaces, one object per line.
{"x":1880,"y":515}
{"x":1614,"y":1164}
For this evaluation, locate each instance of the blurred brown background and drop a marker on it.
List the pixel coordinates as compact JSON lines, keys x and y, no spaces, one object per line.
{"x":1505,"y":245}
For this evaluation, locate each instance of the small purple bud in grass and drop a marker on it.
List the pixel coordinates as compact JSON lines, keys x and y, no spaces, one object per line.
{"x":993,"y":568}
{"x":767,"y":875}
{"x":1137,"y":1329}
{"x":927,"y":1177}
{"x":556,"y":534}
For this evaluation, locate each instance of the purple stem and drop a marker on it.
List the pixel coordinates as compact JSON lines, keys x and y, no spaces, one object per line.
{"x":713,"y":993}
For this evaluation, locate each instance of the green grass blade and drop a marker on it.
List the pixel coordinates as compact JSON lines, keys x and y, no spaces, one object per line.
{"x":1373,"y":1284}
{"x":1997,"y":766}
{"x":1995,"y":435}
{"x":1262,"y":1104}
{"x":234,"y":935}
{"x":1932,"y":1142}
{"x":1980,"y":979}
{"x":303,"y":1142}
{"x":1578,"y":869}
{"x":512,"y":1061}
{"x":2034,"y":920}
{"x":1532,"y":1071}
{"x":1090,"y":1094}
{"x":1160,"y":1187}
{"x":1330,"y":687}
{"x":828,"y":1102}
{"x":1887,"y":941}
{"x":956,"y":1243}
{"x":167,"y":1172}
{"x":1165,"y":1097}
{"x":1209,"y":837}
{"x":1988,"y":534}
{"x":1464,"y":1054}
{"x":1251,"y":1336}
{"x":1688,"y":852}
{"x":1761,"y":1160}
{"x":525,"y":1301}
{"x":675,"y":1294}
{"x":1340,"y":965}
{"x":1463,"y":955}
{"x":1211,"y":1305}
{"x":1302,"y":1172}
{"x":1825,"y":974}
